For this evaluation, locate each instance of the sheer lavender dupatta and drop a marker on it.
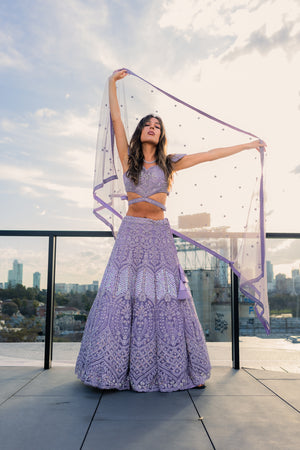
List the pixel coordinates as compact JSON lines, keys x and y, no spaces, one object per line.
{"x":217,"y":206}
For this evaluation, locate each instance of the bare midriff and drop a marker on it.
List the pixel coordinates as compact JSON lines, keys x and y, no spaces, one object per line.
{"x":145,"y":209}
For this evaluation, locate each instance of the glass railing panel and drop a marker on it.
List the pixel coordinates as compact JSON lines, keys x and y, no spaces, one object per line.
{"x":281,"y":349}
{"x":23,"y":282}
{"x":209,"y":280}
{"x":80,"y":265}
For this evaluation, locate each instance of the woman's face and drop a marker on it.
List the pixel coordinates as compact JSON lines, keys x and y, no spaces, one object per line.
{"x":151,"y":131}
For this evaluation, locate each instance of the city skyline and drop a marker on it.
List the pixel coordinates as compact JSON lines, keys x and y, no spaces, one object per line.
{"x":289,"y":274}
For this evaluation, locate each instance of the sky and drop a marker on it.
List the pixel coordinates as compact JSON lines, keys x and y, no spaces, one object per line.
{"x":238,"y":60}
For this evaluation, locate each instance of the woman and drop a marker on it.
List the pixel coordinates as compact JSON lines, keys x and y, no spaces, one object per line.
{"x":143,"y":331}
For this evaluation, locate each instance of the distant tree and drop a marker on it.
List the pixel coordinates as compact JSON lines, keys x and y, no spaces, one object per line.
{"x":27,"y":331}
{"x":9,"y":308}
{"x":28,"y":308}
{"x":87,"y":304}
{"x":20,"y":291}
{"x":282,"y":303}
{"x":31,"y":293}
{"x":42,"y":296}
{"x":62,"y":299}
{"x":18,"y":301}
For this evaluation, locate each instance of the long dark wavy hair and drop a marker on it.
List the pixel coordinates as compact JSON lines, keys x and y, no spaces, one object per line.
{"x":136,"y":156}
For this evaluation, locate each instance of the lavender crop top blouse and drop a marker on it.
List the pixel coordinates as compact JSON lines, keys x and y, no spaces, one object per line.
{"x":152,"y":181}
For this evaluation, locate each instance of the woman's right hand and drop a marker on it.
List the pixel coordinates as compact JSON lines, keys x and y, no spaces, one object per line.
{"x":115,"y":114}
{"x":118,"y":74}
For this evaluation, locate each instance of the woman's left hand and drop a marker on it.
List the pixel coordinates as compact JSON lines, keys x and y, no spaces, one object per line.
{"x":258,"y":143}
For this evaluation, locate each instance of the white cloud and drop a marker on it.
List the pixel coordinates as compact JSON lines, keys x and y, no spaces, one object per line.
{"x":19,"y":174}
{"x":284,"y":252}
{"x":227,"y":15}
{"x":30,"y":178}
{"x":81,"y":160}
{"x":30,"y":192}
{"x":45,"y":113}
{"x":6,"y":140}
{"x":250,"y":23}
{"x":51,"y":123}
{"x":10,"y":57}
{"x":73,"y":194}
{"x":9,"y":125}
{"x":91,"y":256}
{"x":76,"y":125}
{"x":65,"y":138}
{"x":79,"y":27}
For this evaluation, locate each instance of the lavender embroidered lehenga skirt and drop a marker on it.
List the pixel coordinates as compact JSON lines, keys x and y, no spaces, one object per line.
{"x":142,"y":332}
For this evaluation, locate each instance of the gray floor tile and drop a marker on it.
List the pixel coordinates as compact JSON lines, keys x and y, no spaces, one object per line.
{"x":58,"y":381}
{"x":271,"y":375}
{"x":289,"y":390}
{"x":132,"y":405}
{"x":45,"y":423}
{"x":12,"y":380}
{"x":226,"y":381}
{"x":255,"y":422}
{"x":147,"y":435}
{"x":10,"y":373}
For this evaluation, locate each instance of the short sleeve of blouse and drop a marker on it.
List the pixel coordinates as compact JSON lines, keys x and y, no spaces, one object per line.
{"x":177,"y":157}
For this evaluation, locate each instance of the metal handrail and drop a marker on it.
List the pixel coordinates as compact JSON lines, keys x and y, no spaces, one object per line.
{"x":86,"y":233}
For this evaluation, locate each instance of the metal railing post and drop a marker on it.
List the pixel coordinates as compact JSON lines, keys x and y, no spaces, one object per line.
{"x":235,"y":321}
{"x":50,"y":302}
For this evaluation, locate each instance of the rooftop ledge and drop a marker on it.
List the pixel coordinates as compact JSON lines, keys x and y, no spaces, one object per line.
{"x":263,"y":353}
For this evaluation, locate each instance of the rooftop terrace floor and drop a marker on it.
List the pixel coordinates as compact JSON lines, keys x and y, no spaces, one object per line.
{"x":245,"y":409}
{"x":252,"y":408}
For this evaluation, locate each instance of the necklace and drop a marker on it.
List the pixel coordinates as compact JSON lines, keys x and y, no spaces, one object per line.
{"x":150,"y":162}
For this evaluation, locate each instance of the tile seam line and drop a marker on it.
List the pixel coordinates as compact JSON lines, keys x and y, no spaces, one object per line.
{"x":24,"y":385}
{"x":230,"y":395}
{"x":281,"y":379}
{"x":201,"y":419}
{"x":91,"y":421}
{"x":271,"y":390}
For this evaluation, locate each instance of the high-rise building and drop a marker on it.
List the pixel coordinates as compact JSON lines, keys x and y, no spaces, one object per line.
{"x":297,"y":284}
{"x":295,"y":273}
{"x":284,"y":285}
{"x":61,"y":287}
{"x":95,"y":285}
{"x":221,"y":272}
{"x":37,"y":280}
{"x":201,"y":282}
{"x":270,"y":273}
{"x":270,"y":277}
{"x":15,"y":275}
{"x":72,"y":288}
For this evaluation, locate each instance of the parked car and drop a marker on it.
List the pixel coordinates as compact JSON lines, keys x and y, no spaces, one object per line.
{"x":294,"y":339}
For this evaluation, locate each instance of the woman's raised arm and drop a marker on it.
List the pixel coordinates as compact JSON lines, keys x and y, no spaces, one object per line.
{"x":216,"y":153}
{"x":121,"y":139}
